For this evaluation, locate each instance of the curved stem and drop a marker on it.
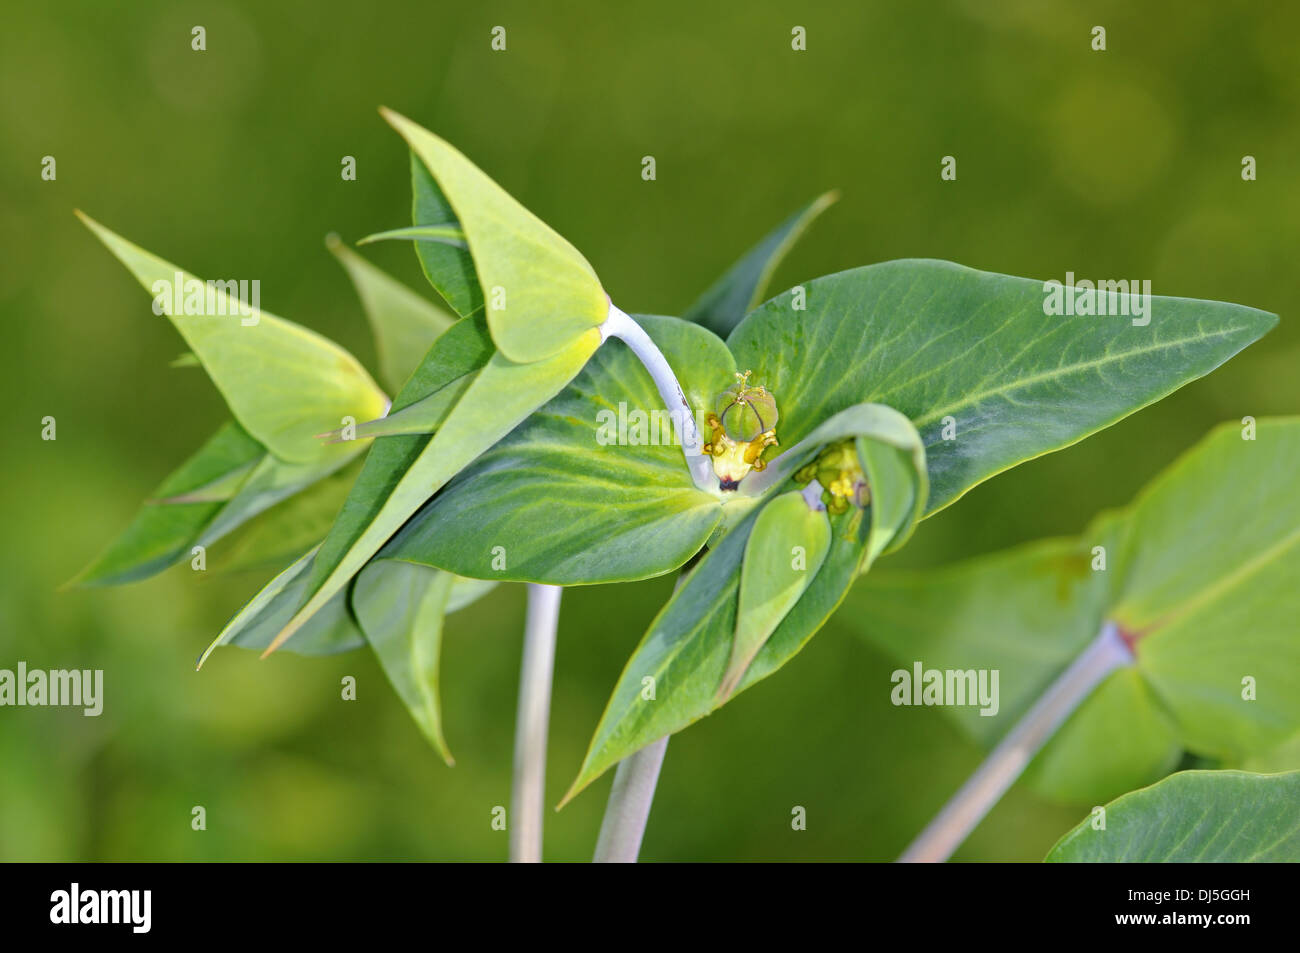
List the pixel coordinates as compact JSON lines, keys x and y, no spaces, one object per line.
{"x":528,"y":790}
{"x":622,"y":326}
{"x":628,"y":809}
{"x":985,"y":787}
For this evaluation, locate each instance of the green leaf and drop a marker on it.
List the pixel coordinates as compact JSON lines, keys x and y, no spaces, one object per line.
{"x":270,"y":481}
{"x":591,"y":488}
{"x":330,"y":630}
{"x":447,"y":264}
{"x":738,"y":291}
{"x":161,"y":532}
{"x":283,"y":383}
{"x":688,"y":646}
{"x":1202,"y":576}
{"x":409,"y":472}
{"x":936,"y":341}
{"x":452,"y":235}
{"x":288,"y":529}
{"x":1195,"y":817}
{"x":542,"y":296}
{"x":786,"y":547}
{"x":400,"y":607}
{"x":1213,"y":600}
{"x":404,"y":324}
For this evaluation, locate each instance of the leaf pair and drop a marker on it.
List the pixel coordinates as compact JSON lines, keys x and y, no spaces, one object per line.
{"x":1202,"y":572}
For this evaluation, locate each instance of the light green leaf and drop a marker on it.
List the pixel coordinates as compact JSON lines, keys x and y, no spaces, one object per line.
{"x":163,"y":532}
{"x":542,"y":296}
{"x":1202,"y":575}
{"x":1212,"y":600}
{"x":283,"y":383}
{"x":404,"y":324}
{"x":422,"y":417}
{"x":786,"y":547}
{"x":738,"y":291}
{"x":937,"y":341}
{"x":592,"y":488}
{"x":1195,"y":817}
{"x":400,"y":607}
{"x":501,"y":396}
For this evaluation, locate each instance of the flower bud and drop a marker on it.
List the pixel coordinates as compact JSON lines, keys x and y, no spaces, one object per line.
{"x":746,"y":411}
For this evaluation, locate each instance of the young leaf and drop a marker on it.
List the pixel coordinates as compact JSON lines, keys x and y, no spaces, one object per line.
{"x":400,"y":608}
{"x":542,"y":296}
{"x":786,"y":547}
{"x":975,"y":354}
{"x":501,"y":396}
{"x":163,"y":532}
{"x":283,"y":383}
{"x":404,"y":324}
{"x":1195,"y":817}
{"x":738,"y":291}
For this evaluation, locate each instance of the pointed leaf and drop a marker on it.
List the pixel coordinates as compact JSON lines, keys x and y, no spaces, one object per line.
{"x":163,"y":532}
{"x":404,"y":324}
{"x":738,"y":291}
{"x":785,"y":549}
{"x":329,"y":631}
{"x":444,"y":234}
{"x":283,"y":383}
{"x":542,"y":296}
{"x":400,"y":607}
{"x":941,"y":342}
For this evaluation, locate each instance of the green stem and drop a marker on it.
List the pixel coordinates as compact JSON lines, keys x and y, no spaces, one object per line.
{"x":985,"y":787}
{"x":628,"y":809}
{"x":622,"y":326}
{"x":528,"y":791}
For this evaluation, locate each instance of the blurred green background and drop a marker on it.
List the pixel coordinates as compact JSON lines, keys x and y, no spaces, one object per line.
{"x":1124,"y":163}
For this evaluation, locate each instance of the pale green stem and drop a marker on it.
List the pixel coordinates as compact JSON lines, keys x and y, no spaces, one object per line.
{"x":528,"y":790}
{"x":963,"y":813}
{"x":622,"y":326}
{"x":628,"y":809}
